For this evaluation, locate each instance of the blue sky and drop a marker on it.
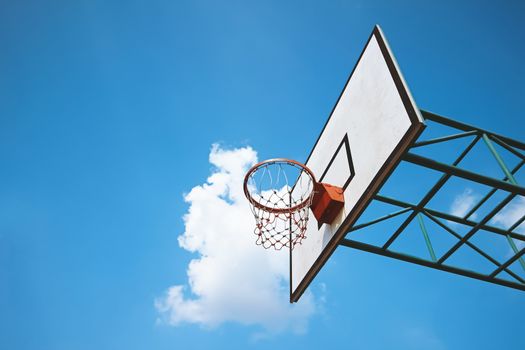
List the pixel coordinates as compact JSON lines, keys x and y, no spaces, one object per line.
{"x":109,"y":111}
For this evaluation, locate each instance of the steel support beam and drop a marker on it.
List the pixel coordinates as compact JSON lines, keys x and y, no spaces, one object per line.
{"x":465,"y":127}
{"x":420,"y":210}
{"x":465,"y":174}
{"x":415,"y":260}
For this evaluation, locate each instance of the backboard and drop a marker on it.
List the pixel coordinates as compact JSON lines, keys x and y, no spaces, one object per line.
{"x":372,"y":124}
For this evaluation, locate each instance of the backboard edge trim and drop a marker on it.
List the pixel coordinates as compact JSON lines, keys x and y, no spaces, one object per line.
{"x":383,"y":174}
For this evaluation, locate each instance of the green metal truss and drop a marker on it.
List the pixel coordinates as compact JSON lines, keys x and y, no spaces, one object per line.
{"x":421,"y":211}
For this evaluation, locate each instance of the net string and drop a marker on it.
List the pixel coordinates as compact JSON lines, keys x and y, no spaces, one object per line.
{"x":282,"y":227}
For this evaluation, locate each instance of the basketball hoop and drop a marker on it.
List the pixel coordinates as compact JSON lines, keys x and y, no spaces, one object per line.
{"x":280,"y":207}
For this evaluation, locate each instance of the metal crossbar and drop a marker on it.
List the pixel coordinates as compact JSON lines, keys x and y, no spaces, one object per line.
{"x":445,"y":216}
{"x":422,"y":212}
{"x":415,"y":260}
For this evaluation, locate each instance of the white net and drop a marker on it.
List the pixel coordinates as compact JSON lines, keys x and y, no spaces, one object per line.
{"x":280,"y":192}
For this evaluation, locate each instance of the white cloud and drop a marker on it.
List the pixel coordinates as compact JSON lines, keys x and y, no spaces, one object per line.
{"x":232,"y":279}
{"x":510,"y":214}
{"x":463,"y":203}
{"x":506,"y":217}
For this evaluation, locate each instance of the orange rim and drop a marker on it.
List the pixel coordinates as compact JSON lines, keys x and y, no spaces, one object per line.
{"x":256,"y":167}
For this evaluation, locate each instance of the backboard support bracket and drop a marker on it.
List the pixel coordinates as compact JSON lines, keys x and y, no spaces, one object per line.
{"x":422,"y":211}
{"x":374,"y":126}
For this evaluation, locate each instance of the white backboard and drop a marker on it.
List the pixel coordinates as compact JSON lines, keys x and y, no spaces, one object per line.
{"x":373,"y":123}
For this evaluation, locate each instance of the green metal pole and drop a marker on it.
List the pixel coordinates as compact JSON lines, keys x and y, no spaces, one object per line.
{"x":511,"y":179}
{"x":450,"y":217}
{"x":382,"y":218}
{"x":516,"y":250}
{"x":499,"y":160}
{"x":465,"y":127}
{"x":473,"y":246}
{"x":415,"y":260}
{"x":445,"y":138}
{"x":508,"y":262}
{"x":427,"y":238}
{"x":491,"y":192}
{"x":459,"y":172}
{"x":507,"y":147}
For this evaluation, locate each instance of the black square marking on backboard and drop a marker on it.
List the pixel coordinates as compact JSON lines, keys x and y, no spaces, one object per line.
{"x":346,"y":143}
{"x":389,"y":165}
